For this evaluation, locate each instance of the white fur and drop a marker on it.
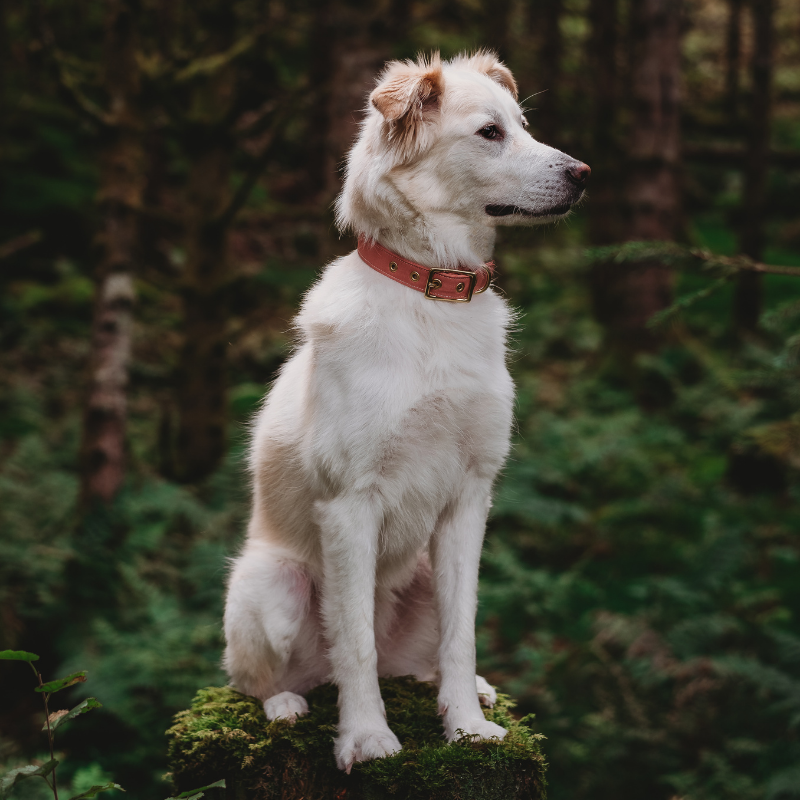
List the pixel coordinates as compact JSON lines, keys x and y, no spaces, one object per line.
{"x":374,"y":455}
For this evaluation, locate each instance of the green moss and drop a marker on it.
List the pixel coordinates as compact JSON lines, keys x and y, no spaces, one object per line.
{"x":225,"y":734}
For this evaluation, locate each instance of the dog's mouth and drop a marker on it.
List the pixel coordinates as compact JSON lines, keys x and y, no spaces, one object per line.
{"x":507,"y":211}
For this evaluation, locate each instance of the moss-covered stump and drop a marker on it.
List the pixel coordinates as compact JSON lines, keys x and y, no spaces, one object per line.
{"x":226,"y":735}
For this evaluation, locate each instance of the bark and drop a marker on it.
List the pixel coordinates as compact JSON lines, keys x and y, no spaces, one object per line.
{"x":361,"y":47}
{"x":202,"y":369}
{"x":351,"y":45}
{"x":748,"y":296}
{"x":604,"y":221}
{"x":207,"y":141}
{"x":733,"y":58}
{"x":551,"y":49}
{"x":625,"y":300}
{"x":4,"y":56}
{"x":321,"y":67}
{"x":736,"y":156}
{"x":121,"y":187}
{"x":653,"y":189}
{"x":497,"y":18}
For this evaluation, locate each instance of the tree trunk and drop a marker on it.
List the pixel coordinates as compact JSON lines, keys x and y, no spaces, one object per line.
{"x":497,"y":18}
{"x":361,"y":47}
{"x":550,"y":48}
{"x":748,"y":297}
{"x":121,"y":187}
{"x":321,"y":67}
{"x":653,"y":186}
{"x":4,"y":54}
{"x":202,"y":368}
{"x":733,"y":58}
{"x":352,"y":46}
{"x":604,"y":221}
{"x":626,"y":300}
{"x":201,"y":376}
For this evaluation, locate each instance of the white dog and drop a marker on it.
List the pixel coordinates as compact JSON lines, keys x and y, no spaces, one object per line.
{"x":374,"y":455}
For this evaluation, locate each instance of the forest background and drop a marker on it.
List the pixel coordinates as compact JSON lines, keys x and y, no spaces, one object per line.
{"x":166,"y":172}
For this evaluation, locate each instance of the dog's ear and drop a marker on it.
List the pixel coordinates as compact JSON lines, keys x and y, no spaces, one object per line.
{"x":408,"y":95}
{"x":489,"y":64}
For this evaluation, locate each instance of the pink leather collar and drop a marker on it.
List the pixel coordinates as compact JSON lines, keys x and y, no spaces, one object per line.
{"x":453,"y":285}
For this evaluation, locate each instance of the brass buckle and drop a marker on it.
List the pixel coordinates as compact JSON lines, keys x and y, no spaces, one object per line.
{"x":471,"y":277}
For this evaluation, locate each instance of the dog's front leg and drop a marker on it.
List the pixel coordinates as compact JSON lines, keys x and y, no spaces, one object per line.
{"x":455,"y":553}
{"x":349,"y":528}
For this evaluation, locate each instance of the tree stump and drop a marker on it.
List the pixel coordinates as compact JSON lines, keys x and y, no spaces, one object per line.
{"x":226,"y":735}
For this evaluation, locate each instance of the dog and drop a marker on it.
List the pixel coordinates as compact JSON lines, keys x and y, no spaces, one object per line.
{"x":374,"y":454}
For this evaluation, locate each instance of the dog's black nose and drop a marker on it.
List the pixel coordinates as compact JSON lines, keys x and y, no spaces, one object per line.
{"x":579,"y":174}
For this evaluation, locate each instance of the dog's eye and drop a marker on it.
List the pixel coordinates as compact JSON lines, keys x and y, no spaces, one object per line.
{"x":490,"y":132}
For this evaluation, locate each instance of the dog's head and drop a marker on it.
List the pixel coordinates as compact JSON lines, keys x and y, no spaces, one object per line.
{"x":449,"y":138}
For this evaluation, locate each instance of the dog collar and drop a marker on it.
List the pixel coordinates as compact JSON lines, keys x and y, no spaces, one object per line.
{"x":451,"y":285}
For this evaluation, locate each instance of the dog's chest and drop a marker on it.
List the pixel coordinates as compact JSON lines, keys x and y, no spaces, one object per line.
{"x":409,"y":407}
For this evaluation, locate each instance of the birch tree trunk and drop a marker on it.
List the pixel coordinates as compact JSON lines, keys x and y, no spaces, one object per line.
{"x":121,"y":187}
{"x":748,"y":296}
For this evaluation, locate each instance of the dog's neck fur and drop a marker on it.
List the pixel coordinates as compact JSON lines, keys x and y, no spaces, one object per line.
{"x":383,"y":208}
{"x":441,"y":241}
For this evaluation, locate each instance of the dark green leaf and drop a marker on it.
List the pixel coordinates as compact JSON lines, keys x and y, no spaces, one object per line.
{"x":63,"y":683}
{"x":195,"y":794}
{"x":10,"y":779}
{"x":17,"y":655}
{"x":87,"y":705}
{"x":95,"y":790}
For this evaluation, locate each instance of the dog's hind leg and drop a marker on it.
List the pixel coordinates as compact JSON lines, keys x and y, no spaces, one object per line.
{"x":273,"y":647}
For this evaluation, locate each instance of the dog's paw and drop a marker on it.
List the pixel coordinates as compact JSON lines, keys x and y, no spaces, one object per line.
{"x":364,"y":745}
{"x":481,"y":728}
{"x":486,"y":693}
{"x":286,"y":705}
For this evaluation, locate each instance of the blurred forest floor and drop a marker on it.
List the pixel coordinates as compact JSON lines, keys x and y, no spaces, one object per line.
{"x":641,"y":582}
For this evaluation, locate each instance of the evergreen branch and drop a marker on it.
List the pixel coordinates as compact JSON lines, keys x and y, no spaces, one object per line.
{"x":242,"y":193}
{"x":674,"y":256}
{"x":207,"y":65}
{"x":244,"y":189}
{"x":682,"y":303}
{"x":671,"y":254}
{"x":67,"y":82}
{"x":19,"y":243}
{"x":70,"y":86}
{"x":744,"y":263}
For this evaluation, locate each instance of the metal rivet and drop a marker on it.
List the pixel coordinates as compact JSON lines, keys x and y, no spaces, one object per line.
{"x":415,"y":276}
{"x":460,"y":287}
{"x":393,"y":267}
